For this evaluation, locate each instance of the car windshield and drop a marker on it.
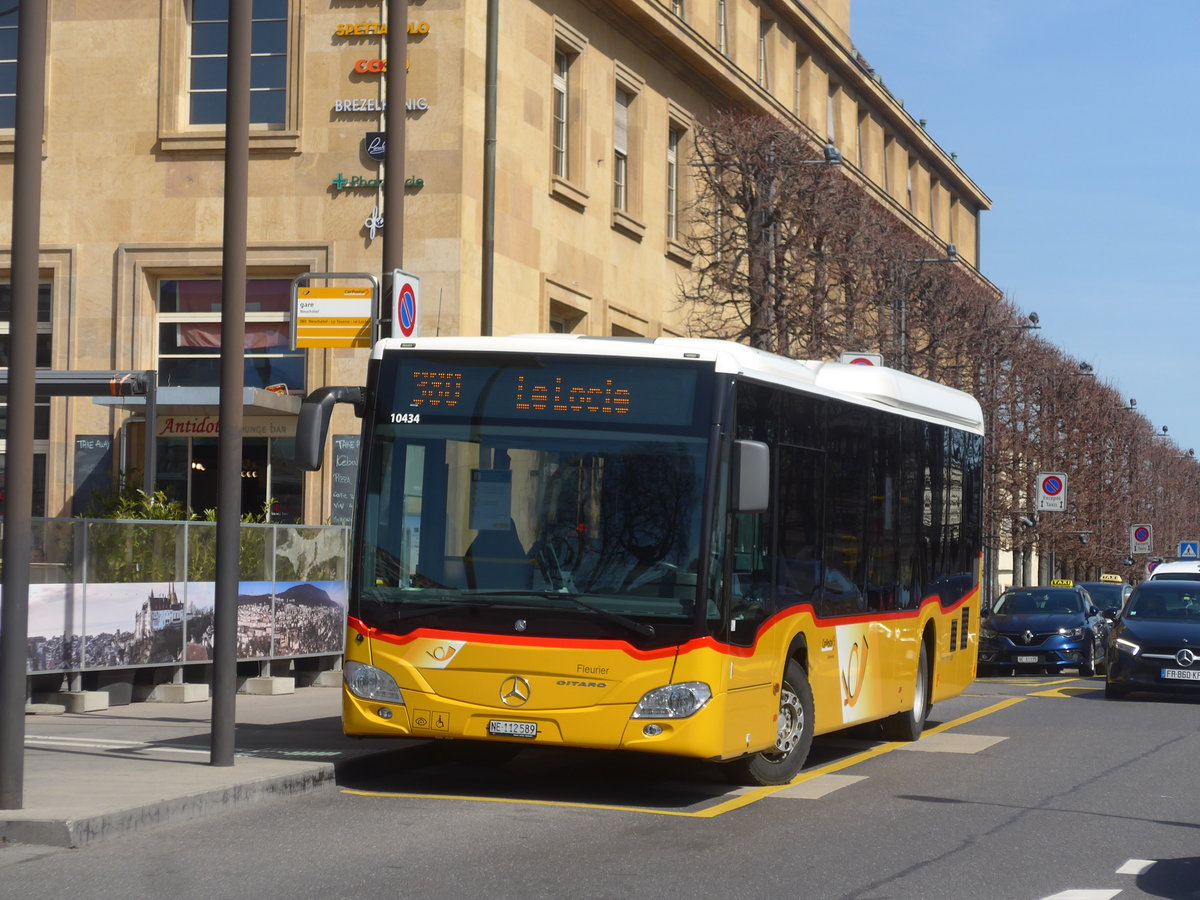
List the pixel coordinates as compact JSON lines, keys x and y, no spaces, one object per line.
{"x":1107,"y":595}
{"x":1038,"y":601}
{"x":1160,"y":602}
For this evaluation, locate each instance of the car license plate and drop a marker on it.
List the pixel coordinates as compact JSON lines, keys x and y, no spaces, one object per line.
{"x":1027,"y":659}
{"x":1182,"y":674}
{"x":502,"y":728}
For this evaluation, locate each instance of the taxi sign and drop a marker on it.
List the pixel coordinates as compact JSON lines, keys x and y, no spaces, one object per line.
{"x":1062,"y":582}
{"x":1113,"y":579}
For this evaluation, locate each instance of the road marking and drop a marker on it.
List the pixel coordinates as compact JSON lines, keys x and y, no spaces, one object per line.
{"x":741,"y":800}
{"x":1102,"y":894}
{"x":818,"y":787}
{"x":1136,"y":866}
{"x":74,"y":743}
{"x":953,"y":743}
{"x":1067,"y":692}
{"x":102,"y":744}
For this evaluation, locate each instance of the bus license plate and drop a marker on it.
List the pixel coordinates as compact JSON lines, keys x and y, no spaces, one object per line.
{"x":1027,"y":659}
{"x":512,"y":729}
{"x":1182,"y":674}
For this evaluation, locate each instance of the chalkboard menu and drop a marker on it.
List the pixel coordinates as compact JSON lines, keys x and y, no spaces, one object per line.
{"x":93,"y":468}
{"x":345,"y":476}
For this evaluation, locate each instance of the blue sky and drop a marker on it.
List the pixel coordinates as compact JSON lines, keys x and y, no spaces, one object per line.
{"x":1079,"y":119}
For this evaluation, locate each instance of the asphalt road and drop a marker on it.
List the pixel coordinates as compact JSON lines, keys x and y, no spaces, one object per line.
{"x":1024,"y":788}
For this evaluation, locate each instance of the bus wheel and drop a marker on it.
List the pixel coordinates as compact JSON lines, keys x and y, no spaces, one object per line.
{"x":908,"y":725}
{"x":781,"y":763}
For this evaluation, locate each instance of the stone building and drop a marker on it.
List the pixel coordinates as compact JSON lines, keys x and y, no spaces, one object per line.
{"x":596,"y":100}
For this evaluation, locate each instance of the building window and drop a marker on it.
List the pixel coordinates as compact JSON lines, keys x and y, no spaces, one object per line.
{"x":208,"y":53}
{"x":723,"y":27}
{"x":764,"y":57}
{"x":862,"y":139}
{"x":934,"y":191}
{"x":889,"y":144}
{"x":621,"y":150}
{"x":677,"y":7}
{"x":8,"y":66}
{"x":908,"y":186}
{"x":189,"y":335}
{"x":831,"y":113}
{"x":562,"y":111}
{"x":41,"y":408}
{"x":187,"y":472}
{"x":674,"y":140}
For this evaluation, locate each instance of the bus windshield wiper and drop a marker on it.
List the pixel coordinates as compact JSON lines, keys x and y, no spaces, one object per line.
{"x":644,"y":628}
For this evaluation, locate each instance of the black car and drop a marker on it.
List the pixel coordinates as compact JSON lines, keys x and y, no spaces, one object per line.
{"x":1052,"y":627}
{"x":1155,"y":643}
{"x":1109,"y":593}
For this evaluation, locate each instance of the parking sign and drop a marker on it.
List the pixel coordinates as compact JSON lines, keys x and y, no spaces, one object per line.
{"x":1052,"y":491}
{"x":1141,"y":538}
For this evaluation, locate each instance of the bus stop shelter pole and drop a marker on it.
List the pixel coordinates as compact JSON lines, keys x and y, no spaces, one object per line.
{"x":22,"y":377}
{"x":233,"y":378}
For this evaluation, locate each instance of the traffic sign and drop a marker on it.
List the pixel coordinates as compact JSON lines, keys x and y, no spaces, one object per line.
{"x":406,"y":304}
{"x":1189,"y":549}
{"x":862,"y":359}
{"x":1052,"y":491}
{"x":1141,"y":539}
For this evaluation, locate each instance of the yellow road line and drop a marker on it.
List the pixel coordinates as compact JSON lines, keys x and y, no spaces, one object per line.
{"x":739,"y":802}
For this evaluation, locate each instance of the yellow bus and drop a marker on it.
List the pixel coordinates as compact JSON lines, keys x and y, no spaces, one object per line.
{"x":670,"y":545}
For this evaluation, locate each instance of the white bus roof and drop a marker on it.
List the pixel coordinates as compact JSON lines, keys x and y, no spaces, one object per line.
{"x":875,"y":386}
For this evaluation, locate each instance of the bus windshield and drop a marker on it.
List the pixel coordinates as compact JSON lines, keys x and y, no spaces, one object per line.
{"x":470,"y":508}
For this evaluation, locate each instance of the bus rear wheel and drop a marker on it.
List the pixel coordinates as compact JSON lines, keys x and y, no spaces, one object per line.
{"x":781,"y":763}
{"x":908,"y":725}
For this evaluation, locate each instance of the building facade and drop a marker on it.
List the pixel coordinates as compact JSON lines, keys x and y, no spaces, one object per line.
{"x":596,"y":103}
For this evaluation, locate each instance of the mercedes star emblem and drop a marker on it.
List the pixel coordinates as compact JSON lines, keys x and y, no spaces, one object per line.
{"x":1185,"y":657}
{"x":514,"y":691}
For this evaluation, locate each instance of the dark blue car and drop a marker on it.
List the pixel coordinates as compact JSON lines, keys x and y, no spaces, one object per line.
{"x":1053,"y":627}
{"x":1155,"y":644}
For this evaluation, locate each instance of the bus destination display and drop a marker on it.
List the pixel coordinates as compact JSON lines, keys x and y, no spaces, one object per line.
{"x":558,"y":390}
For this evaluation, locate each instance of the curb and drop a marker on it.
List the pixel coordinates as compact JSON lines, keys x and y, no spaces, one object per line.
{"x":87,"y":830}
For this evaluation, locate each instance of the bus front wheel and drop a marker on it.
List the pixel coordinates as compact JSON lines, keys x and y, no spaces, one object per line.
{"x":781,"y":763}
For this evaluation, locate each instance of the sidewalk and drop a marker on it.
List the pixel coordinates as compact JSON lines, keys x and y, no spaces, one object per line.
{"x":96,"y":775}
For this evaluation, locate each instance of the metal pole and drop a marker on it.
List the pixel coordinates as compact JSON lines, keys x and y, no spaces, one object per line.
{"x":22,"y":377}
{"x":487,"y":303}
{"x":396,"y":91}
{"x":233,"y":339}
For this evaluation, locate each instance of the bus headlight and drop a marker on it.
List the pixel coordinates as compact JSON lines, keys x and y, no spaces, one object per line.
{"x":371,"y":683}
{"x":673,"y":701}
{"x":1127,"y":646}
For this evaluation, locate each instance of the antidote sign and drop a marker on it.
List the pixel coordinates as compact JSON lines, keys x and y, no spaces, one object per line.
{"x":333,"y":317}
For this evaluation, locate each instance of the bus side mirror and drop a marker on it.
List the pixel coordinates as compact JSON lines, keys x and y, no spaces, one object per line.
{"x":313,"y":424}
{"x":751,"y":476}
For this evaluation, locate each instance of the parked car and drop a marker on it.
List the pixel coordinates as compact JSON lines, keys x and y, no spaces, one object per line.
{"x":1109,"y":593}
{"x":1155,"y":643}
{"x":1177,"y":570}
{"x":1057,"y":626}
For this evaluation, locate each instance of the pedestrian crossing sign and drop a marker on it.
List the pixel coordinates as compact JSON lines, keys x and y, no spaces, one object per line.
{"x":1189,"y":549}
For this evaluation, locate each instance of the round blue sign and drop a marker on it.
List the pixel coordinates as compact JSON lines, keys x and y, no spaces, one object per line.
{"x":1141,"y":534}
{"x":1052,"y":485}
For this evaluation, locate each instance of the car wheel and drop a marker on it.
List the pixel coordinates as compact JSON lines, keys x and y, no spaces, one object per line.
{"x":1113,"y":691}
{"x":908,"y":725}
{"x":781,"y":763}
{"x":1087,"y":668}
